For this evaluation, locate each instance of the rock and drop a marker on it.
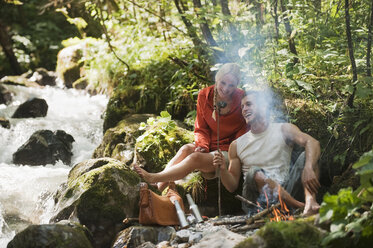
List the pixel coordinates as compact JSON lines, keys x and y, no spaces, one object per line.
{"x":5,"y":95}
{"x":32,"y":108}
{"x":99,"y":194}
{"x":119,"y":141}
{"x":285,"y":234}
{"x":137,"y":235}
{"x":220,"y":239}
{"x":45,"y":147}
{"x":69,"y":65}
{"x":18,"y":80}
{"x":4,"y":122}
{"x":80,"y":84}
{"x":69,"y":235}
{"x":43,"y":77}
{"x":160,"y":142}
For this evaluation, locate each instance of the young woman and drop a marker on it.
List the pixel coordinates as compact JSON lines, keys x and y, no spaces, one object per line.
{"x":200,"y":154}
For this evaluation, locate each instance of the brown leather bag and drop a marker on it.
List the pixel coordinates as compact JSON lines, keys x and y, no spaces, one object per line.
{"x":158,"y":209}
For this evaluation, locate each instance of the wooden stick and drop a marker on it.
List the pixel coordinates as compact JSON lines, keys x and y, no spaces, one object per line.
{"x":247,"y":201}
{"x":129,"y":220}
{"x":261,"y":214}
{"x":231,"y":222}
{"x":248,"y":227}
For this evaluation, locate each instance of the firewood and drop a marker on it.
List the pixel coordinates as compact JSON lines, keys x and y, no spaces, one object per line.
{"x":262,"y":214}
{"x":247,"y":201}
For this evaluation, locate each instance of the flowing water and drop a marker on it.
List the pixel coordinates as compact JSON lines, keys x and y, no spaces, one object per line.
{"x":26,"y":191}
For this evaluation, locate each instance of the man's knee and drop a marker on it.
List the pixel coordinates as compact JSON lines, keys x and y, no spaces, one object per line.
{"x":260,"y":179}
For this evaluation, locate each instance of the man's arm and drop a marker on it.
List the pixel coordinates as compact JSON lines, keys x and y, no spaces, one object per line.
{"x":312,"y":150}
{"x":231,"y":177}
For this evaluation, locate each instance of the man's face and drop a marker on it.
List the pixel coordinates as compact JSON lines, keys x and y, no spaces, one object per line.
{"x":249,"y":109}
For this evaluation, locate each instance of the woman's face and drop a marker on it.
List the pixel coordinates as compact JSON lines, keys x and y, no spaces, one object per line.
{"x":226,"y":85}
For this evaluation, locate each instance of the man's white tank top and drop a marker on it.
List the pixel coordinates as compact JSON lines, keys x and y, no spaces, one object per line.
{"x":267,"y":150}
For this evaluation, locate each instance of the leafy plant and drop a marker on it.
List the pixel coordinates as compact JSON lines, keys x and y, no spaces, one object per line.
{"x":161,"y":140}
{"x":350,"y":213}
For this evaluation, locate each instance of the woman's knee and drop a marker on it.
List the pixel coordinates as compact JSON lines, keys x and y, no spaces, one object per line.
{"x":187,"y":149}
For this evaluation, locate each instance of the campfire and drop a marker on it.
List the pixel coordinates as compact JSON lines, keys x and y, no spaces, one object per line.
{"x":274,"y":212}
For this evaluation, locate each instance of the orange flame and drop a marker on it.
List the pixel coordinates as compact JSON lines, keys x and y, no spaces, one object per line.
{"x":284,"y":213}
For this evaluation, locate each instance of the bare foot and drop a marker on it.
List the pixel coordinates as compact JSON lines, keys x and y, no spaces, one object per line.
{"x":311,"y":208}
{"x":148,"y":177}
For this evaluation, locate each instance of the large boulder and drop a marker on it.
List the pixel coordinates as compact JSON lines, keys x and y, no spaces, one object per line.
{"x":32,"y":108}
{"x":45,"y":147}
{"x":60,"y":235}
{"x":5,"y":95}
{"x":99,"y":194}
{"x":69,"y":64}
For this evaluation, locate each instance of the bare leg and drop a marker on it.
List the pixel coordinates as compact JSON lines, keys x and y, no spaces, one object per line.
{"x":262,"y":180}
{"x":195,"y":161}
{"x":183,"y":152}
{"x":311,"y":207}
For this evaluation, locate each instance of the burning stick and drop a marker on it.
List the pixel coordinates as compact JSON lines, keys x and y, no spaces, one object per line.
{"x":261,"y":214}
{"x":247,"y":201}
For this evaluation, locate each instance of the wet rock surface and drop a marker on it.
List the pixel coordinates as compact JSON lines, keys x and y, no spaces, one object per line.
{"x":45,"y":147}
{"x":32,"y":108}
{"x":62,"y":235}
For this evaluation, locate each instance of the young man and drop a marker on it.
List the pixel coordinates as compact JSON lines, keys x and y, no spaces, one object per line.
{"x":263,"y":155}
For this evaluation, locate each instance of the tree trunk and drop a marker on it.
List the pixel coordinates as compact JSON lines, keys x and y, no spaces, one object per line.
{"x":275,"y":17}
{"x":6,"y":44}
{"x":369,"y":43}
{"x":190,"y":29}
{"x":289,"y":32}
{"x":219,"y":55}
{"x":232,"y":29}
{"x":350,"y":101}
{"x":204,"y":26}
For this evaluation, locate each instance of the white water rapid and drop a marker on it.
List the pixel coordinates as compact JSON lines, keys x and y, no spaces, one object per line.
{"x":26,"y":191}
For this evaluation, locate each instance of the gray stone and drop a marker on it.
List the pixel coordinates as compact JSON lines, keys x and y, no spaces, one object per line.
{"x":45,"y":147}
{"x":32,"y":108}
{"x":136,"y":235}
{"x":64,"y":235}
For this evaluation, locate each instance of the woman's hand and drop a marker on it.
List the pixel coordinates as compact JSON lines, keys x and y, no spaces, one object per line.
{"x":200,"y":149}
{"x":219,"y":160}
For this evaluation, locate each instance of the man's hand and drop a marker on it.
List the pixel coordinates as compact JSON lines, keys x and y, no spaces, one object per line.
{"x":309,"y":180}
{"x":199,"y":149}
{"x":219,"y":160}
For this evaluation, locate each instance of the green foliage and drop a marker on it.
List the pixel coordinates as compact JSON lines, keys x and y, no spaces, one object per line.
{"x":36,"y":33}
{"x":351,"y":212}
{"x":161,"y":140}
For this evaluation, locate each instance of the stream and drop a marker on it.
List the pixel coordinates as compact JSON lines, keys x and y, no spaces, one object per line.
{"x":26,"y":192}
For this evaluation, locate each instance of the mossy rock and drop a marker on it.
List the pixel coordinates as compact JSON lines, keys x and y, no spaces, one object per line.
{"x":99,"y":194}
{"x":68,"y":235}
{"x":160,"y":144}
{"x":119,"y":141}
{"x":285,"y":234}
{"x":69,"y":65}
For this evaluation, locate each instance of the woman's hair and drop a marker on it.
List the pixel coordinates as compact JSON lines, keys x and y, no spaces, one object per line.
{"x":229,"y":68}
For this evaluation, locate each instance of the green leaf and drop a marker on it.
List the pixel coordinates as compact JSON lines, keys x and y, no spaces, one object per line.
{"x":304,"y":85}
